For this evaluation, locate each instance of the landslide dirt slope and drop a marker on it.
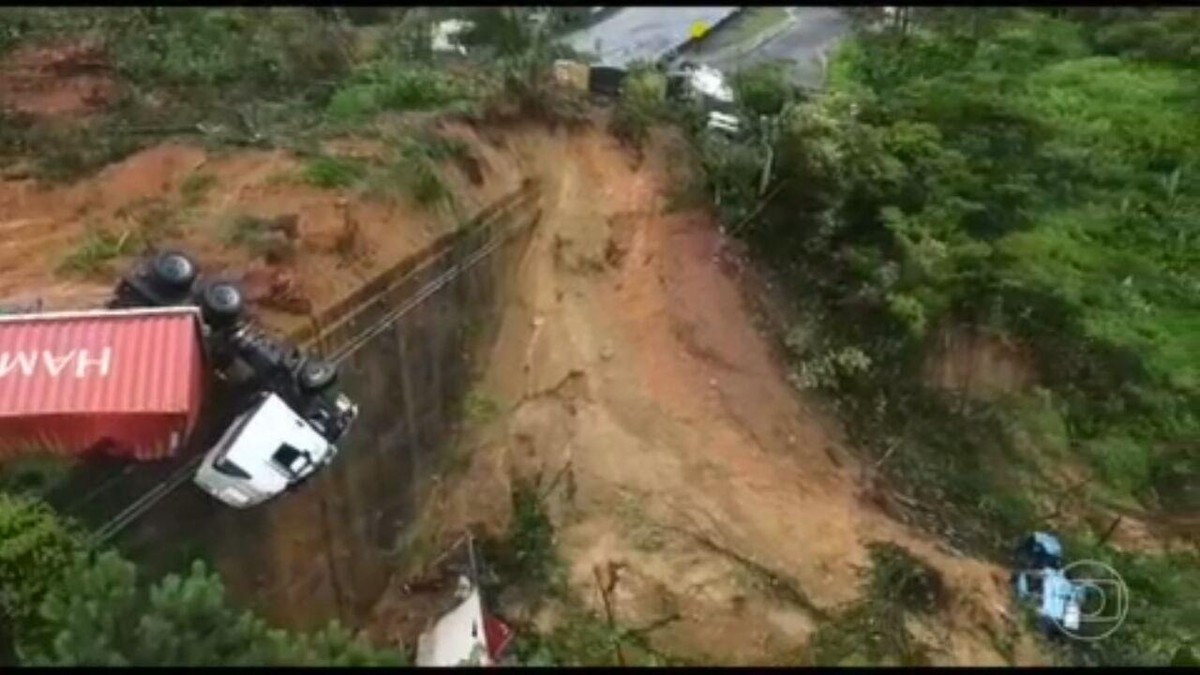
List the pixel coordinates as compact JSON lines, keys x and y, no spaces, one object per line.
{"x":629,"y":366}
{"x":179,"y":195}
{"x":189,"y":199}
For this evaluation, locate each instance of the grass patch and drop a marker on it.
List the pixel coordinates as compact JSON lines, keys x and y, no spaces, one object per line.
{"x":72,"y":155}
{"x":414,"y":168}
{"x":195,"y":187}
{"x":154,"y":218}
{"x":1122,"y":463}
{"x":439,"y":148}
{"x":425,"y":183}
{"x":333,"y":172}
{"x":582,"y":639}
{"x":386,"y":86}
{"x":479,"y":408}
{"x":98,"y":248}
{"x":421,"y":158}
{"x":641,"y":105}
{"x":935,"y":445}
{"x":872,"y":632}
{"x":256,"y":234}
{"x":243,"y":230}
{"x":643,"y":533}
{"x":897,"y":577}
{"x":525,"y":559}
{"x":864,"y":636}
{"x":527,"y":551}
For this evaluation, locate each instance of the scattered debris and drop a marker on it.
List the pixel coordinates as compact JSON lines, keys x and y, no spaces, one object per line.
{"x":465,"y":632}
{"x":271,"y":285}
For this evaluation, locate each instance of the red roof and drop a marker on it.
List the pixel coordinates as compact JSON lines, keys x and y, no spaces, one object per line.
{"x":70,"y":380}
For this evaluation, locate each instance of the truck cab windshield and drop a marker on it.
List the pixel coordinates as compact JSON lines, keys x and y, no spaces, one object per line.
{"x":294,"y":463}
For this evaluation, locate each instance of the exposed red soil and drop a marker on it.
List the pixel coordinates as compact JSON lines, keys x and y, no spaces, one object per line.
{"x":63,"y":79}
{"x":632,"y":370}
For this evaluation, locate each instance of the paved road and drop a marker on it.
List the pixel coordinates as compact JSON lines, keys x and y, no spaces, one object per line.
{"x":642,"y":33}
{"x":809,"y":34}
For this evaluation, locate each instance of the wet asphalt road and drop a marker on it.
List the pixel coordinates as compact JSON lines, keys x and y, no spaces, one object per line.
{"x":802,"y":40}
{"x":642,"y":33}
{"x":808,"y":36}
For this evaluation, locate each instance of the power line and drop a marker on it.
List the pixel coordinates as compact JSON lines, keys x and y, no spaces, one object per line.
{"x":158,"y":492}
{"x":144,"y":503}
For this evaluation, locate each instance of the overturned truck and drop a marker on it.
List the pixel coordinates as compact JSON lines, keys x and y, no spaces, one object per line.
{"x":134,"y":379}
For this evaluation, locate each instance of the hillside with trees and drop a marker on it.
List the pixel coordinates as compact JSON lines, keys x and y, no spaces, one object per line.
{"x":1028,"y":176}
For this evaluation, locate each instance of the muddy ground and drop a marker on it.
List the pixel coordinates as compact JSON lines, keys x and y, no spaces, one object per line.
{"x":629,"y":364}
{"x":313,"y":245}
{"x":301,"y":247}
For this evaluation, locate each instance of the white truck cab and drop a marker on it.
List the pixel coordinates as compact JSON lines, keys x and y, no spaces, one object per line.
{"x":292,"y":425}
{"x":266,"y":450}
{"x":709,"y":87}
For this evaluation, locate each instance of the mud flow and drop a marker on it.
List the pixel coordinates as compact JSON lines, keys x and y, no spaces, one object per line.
{"x":629,"y":366}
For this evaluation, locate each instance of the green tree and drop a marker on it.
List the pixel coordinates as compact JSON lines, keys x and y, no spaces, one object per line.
{"x":36,"y":551}
{"x":642,"y":104}
{"x":65,"y":606}
{"x":101,"y":616}
{"x":764,"y":88}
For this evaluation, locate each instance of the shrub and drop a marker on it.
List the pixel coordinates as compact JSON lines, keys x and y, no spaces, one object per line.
{"x":642,"y":104}
{"x":764,"y":89}
{"x":333,"y":172}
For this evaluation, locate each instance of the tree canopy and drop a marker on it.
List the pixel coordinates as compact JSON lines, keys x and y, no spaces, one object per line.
{"x":1033,"y":174}
{"x":69,"y":607}
{"x":1028,"y":173}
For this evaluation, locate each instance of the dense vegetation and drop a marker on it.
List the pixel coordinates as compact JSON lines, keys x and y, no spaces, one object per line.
{"x":63,"y":605}
{"x":1030,"y":175}
{"x":278,"y":77}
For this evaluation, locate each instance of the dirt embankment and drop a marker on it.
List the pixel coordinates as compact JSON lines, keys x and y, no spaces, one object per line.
{"x":250,"y":215}
{"x":630,"y":368}
{"x":247,"y":215}
{"x":68,"y":79}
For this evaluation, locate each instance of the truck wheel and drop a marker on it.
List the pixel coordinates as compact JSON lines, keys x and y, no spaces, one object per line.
{"x":173,"y":272}
{"x":317,"y":376}
{"x":222,"y":304}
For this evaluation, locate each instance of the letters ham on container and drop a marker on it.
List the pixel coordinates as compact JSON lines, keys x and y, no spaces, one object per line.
{"x":128,"y":383}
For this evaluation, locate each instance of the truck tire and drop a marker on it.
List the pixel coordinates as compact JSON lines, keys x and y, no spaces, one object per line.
{"x":317,"y":376}
{"x":222,"y":304}
{"x":173,"y":272}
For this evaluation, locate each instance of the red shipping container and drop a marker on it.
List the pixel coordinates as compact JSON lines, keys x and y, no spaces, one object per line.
{"x":127,"y":382}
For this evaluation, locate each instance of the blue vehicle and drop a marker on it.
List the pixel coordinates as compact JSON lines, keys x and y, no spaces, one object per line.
{"x":1038,"y":578}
